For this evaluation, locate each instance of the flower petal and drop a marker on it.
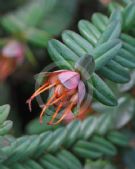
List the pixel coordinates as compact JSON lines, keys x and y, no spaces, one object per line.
{"x":53,"y":76}
{"x":69,"y":79}
{"x":81,"y":91}
{"x":46,"y":74}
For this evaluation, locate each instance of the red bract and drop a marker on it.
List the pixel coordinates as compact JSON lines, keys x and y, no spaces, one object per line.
{"x":68,"y":92}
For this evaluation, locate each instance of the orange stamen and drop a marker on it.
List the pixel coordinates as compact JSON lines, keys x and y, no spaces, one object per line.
{"x":65,"y":113}
{"x":61,"y":97}
{"x":39,"y":91}
{"x":43,"y":86}
{"x":45,"y":107}
{"x":55,"y":114}
{"x":46,"y":88}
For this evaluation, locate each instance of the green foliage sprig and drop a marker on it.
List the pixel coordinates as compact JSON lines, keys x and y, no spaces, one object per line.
{"x":51,"y":149}
{"x":31,"y":22}
{"x":5,"y":125}
{"x":109,"y":42}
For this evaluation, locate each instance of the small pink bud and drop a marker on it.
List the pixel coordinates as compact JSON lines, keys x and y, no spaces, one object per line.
{"x":14,"y":49}
{"x":105,"y":2}
{"x":68,"y":118}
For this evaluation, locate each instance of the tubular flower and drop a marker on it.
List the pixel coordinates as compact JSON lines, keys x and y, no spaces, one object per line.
{"x":68,"y":92}
{"x":11,"y":55}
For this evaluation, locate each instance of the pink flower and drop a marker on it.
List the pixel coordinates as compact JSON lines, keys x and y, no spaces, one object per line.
{"x":14,"y":50}
{"x":69,"y":92}
{"x":11,"y":55}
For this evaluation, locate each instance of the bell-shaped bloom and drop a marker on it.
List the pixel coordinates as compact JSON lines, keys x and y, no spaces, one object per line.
{"x":69,"y":91}
{"x":11,"y":55}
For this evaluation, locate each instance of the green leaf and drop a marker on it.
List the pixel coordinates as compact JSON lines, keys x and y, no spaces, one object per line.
{"x":102,"y":92}
{"x":12,"y":25}
{"x":38,"y":37}
{"x":47,"y":164}
{"x":34,"y":127}
{"x":119,"y":115}
{"x":112,"y":31}
{"x":30,"y":7}
{"x":32,"y":164}
{"x":105,"y":52}
{"x":128,"y":39}
{"x":77,"y":43}
{"x":88,"y":127}
{"x":115,"y":72}
{"x":114,"y":5}
{"x":60,"y":17}
{"x":18,"y":152}
{"x":61,"y":54}
{"x":100,"y":21}
{"x":4,"y":112}
{"x":72,"y":133}
{"x":56,"y":162}
{"x":98,"y":164}
{"x":69,"y":159}
{"x":130,"y":48}
{"x":118,"y":138}
{"x":46,"y":139}
{"x":59,"y":136}
{"x":104,"y":123}
{"x":86,"y":150}
{"x":125,"y":58}
{"x":97,"y":147}
{"x":89,"y":31}
{"x":127,"y":86}
{"x":38,"y":27}
{"x":129,"y":16}
{"x":124,"y":111}
{"x":116,"y":16}
{"x":6,"y":127}
{"x":104,"y":146}
{"x":22,"y":18}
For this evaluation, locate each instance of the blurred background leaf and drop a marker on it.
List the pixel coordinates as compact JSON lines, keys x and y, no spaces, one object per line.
{"x":120,"y":114}
{"x":53,"y":17}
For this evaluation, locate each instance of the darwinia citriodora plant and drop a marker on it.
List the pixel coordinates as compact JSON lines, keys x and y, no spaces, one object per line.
{"x":12,"y":54}
{"x":68,"y":92}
